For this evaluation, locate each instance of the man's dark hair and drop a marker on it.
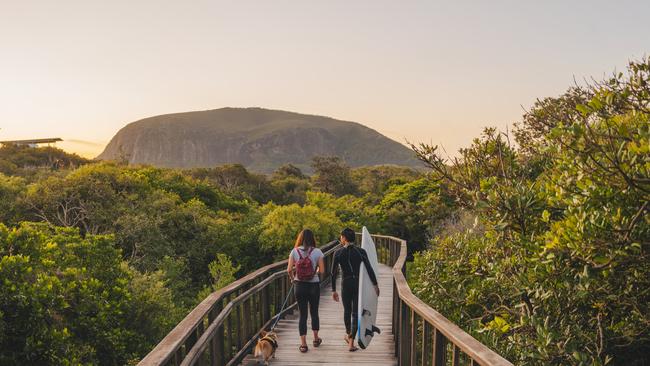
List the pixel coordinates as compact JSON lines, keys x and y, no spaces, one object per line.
{"x":348,"y":234}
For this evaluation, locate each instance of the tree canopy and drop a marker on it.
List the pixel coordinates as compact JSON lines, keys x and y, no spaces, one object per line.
{"x":555,"y":269}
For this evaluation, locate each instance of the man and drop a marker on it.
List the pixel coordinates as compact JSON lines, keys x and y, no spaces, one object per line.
{"x":349,"y":259}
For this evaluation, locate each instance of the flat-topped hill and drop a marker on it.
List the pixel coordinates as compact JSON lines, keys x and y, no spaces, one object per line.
{"x":260,"y":139}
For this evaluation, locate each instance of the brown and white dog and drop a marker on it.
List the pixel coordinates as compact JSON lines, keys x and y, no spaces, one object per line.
{"x":266,"y":346}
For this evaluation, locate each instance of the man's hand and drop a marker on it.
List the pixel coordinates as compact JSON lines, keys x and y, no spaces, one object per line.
{"x":335,"y":296}
{"x":377,"y":289}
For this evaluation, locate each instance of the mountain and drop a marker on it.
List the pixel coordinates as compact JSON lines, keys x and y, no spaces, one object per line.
{"x":260,"y":139}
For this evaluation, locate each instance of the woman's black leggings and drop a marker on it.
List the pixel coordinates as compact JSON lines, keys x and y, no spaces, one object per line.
{"x":350,"y":298}
{"x":308,"y":294}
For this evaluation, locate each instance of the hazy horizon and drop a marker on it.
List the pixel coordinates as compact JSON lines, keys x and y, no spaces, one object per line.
{"x":418,"y":70}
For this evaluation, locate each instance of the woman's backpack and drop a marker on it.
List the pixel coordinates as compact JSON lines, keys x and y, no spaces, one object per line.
{"x":305,"y":270}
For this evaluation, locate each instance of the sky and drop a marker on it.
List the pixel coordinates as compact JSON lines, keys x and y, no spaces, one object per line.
{"x":423,"y":71}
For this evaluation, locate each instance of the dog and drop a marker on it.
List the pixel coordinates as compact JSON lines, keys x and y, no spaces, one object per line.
{"x":266,"y":346}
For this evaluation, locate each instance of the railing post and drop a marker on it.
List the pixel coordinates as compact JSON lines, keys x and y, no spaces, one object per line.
{"x":439,"y":349}
{"x":198,"y":332}
{"x":259,"y":311}
{"x":243,"y":324}
{"x":213,"y":342}
{"x":191,"y":340}
{"x":281,"y":295}
{"x":217,"y":344}
{"x":426,"y":342}
{"x":396,"y":320}
{"x":405,"y":335}
{"x":455,"y":356}
{"x":178,"y":356}
{"x":396,"y":334}
{"x":266,"y":312}
{"x":231,"y":333}
{"x":413,"y":338}
{"x":238,"y":326}
{"x":246,"y":321}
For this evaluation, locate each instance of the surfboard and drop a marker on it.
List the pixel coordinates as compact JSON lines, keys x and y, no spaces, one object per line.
{"x":367,"y":295}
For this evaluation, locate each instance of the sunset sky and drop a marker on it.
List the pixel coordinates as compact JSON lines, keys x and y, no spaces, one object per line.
{"x":430,"y":71}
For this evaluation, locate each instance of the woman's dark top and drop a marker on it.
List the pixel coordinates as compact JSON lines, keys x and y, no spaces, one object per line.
{"x":349,"y":258}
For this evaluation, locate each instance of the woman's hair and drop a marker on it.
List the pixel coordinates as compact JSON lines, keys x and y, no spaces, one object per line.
{"x":305,"y":239}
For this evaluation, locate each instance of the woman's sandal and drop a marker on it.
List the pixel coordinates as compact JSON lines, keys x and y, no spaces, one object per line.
{"x":346,"y":338}
{"x":318,"y":341}
{"x":303,"y":349}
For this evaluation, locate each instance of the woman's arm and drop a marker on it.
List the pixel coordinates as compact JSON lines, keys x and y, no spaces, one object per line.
{"x":290,"y":266}
{"x":321,"y":268}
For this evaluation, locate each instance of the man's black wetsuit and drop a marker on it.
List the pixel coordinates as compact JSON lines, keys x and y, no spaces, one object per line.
{"x":349,"y":259}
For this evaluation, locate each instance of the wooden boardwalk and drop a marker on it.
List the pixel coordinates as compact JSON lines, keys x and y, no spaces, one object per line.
{"x":334,"y":350}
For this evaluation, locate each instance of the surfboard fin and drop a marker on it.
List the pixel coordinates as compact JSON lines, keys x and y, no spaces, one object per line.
{"x":371,"y":332}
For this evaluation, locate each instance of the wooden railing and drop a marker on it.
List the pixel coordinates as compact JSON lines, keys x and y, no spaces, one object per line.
{"x":422,"y":335}
{"x":222,"y":328}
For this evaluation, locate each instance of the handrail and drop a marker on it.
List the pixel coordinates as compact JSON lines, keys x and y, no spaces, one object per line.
{"x":421,"y":333}
{"x":172,"y":349}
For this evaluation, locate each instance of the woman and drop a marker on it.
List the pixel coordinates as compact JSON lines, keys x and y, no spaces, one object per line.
{"x":306,"y":280}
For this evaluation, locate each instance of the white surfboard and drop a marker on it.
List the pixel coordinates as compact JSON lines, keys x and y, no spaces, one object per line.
{"x":367,"y":295}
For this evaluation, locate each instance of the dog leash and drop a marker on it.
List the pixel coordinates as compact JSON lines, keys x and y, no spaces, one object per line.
{"x":282,"y":309}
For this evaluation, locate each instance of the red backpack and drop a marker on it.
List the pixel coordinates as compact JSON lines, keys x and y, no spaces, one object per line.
{"x":305,"y":270}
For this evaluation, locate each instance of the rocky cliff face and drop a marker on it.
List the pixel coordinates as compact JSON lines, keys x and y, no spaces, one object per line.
{"x":260,"y":139}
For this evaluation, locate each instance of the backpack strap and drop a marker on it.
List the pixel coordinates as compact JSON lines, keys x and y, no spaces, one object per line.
{"x":308,"y":253}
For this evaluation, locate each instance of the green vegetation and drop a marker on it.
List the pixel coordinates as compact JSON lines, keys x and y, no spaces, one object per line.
{"x":23,"y":160}
{"x":538,"y":248}
{"x":101,"y":260}
{"x":67,"y":299}
{"x":548,"y":261}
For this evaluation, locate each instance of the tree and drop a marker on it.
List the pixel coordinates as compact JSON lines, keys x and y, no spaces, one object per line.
{"x":65,"y":299}
{"x":332,"y":175}
{"x":288,"y":170}
{"x":354,"y":212}
{"x":31,"y":162}
{"x":291,"y":184}
{"x":12,"y":190}
{"x":222,"y":272}
{"x":376,"y":180}
{"x":281,"y":225}
{"x":235,"y":180}
{"x":161,"y":220}
{"x":557,"y":275}
{"x":412,"y":211}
